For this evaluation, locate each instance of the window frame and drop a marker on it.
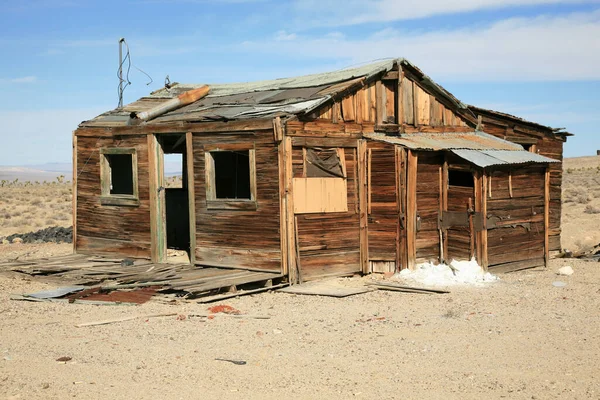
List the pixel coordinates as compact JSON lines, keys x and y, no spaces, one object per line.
{"x":214,"y":203}
{"x":107,"y":198}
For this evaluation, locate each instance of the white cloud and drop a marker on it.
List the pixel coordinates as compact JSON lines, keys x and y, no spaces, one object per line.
{"x":351,"y":12}
{"x":284,"y":36}
{"x":23,"y":79}
{"x":531,"y":49}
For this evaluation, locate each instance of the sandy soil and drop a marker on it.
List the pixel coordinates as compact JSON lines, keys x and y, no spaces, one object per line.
{"x":519,"y":338}
{"x":581,"y":203}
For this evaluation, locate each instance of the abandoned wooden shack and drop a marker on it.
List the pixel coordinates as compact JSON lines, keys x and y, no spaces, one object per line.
{"x":369,"y":169}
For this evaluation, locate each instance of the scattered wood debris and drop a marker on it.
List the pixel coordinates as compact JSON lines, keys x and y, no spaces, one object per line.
{"x":112,"y":274}
{"x":324,"y":288}
{"x":406,"y":289}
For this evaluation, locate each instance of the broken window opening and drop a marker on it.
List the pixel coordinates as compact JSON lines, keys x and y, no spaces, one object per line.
{"x":323,"y":163}
{"x":232,"y":175}
{"x":118,"y":176}
{"x":460,"y":178}
{"x":121,"y":173}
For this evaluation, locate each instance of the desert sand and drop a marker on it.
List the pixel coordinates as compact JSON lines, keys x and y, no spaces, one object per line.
{"x":522,"y":337}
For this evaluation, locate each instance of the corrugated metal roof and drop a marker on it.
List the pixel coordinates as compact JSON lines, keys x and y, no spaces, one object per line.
{"x":488,"y":158}
{"x":445,"y":141}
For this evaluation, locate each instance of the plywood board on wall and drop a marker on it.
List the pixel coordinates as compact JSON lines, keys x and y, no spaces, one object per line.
{"x":318,"y":195}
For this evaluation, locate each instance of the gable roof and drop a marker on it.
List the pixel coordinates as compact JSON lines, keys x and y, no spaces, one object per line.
{"x":266,"y":99}
{"x":519,"y":120}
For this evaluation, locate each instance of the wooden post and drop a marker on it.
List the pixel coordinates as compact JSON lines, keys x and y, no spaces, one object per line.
{"x":369,"y":162}
{"x":74,"y":193}
{"x":441,"y":211}
{"x":477,"y":208}
{"x":445,"y":203}
{"x":471,"y":232}
{"x":546,"y":216}
{"x":401,"y":259}
{"x":411,"y":209}
{"x":277,"y":129}
{"x":484,"y":232}
{"x":191,"y":192}
{"x":510,"y":191}
{"x":157,"y":221}
{"x":289,"y":214}
{"x":362,"y":205}
{"x":282,"y":208}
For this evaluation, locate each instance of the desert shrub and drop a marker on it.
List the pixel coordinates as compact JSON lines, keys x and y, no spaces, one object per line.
{"x":576,"y":195}
{"x":17,"y":222}
{"x":589,"y":209}
{"x":62,"y":217}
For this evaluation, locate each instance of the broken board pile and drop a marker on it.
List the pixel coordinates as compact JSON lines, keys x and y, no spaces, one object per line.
{"x":110,"y":274}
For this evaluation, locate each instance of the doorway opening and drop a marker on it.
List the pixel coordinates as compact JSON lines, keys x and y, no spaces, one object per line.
{"x":175,"y":182}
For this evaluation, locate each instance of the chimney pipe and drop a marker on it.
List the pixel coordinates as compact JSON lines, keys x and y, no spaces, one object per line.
{"x":183,"y":99}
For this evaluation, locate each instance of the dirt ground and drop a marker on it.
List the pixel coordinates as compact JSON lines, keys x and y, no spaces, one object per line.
{"x":518,"y":338}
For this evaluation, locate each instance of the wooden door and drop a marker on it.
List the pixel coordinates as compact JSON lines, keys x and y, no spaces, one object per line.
{"x":459,"y":219}
{"x":383,"y":208}
{"x":157,"y":199}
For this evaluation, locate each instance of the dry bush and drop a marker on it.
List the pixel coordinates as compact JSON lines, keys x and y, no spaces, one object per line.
{"x":26,"y":207}
{"x":589,"y":209}
{"x":576,"y":195}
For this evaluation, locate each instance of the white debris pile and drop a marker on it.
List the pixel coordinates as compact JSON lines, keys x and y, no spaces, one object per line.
{"x":458,"y":272}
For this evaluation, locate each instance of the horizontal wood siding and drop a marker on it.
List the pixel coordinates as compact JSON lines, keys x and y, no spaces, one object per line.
{"x":428,"y":206}
{"x":520,"y":217}
{"x":240,"y":238}
{"x":111,"y":229}
{"x":546,"y":145}
{"x":329,"y":242}
{"x":383,"y":207}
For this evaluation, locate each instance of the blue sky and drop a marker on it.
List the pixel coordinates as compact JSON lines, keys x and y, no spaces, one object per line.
{"x":538,"y":59}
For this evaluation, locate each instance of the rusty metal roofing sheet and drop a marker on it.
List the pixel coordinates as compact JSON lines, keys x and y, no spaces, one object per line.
{"x":488,"y":158}
{"x":446,"y":141}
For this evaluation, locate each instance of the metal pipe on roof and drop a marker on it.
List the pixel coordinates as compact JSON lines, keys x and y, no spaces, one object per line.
{"x":120,"y":73}
{"x":183,"y":99}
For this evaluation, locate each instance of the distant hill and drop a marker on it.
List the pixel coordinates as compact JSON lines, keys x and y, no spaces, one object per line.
{"x":24,"y":174}
{"x":50,"y":171}
{"x":581,"y":162}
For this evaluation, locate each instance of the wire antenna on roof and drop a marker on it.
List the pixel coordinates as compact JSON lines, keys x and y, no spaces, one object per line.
{"x":123,"y":83}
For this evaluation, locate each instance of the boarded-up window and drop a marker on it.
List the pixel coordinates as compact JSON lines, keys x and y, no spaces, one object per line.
{"x":118,"y":176}
{"x":324,"y":187}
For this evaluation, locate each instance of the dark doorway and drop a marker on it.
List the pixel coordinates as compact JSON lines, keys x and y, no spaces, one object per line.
{"x":176,"y":192}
